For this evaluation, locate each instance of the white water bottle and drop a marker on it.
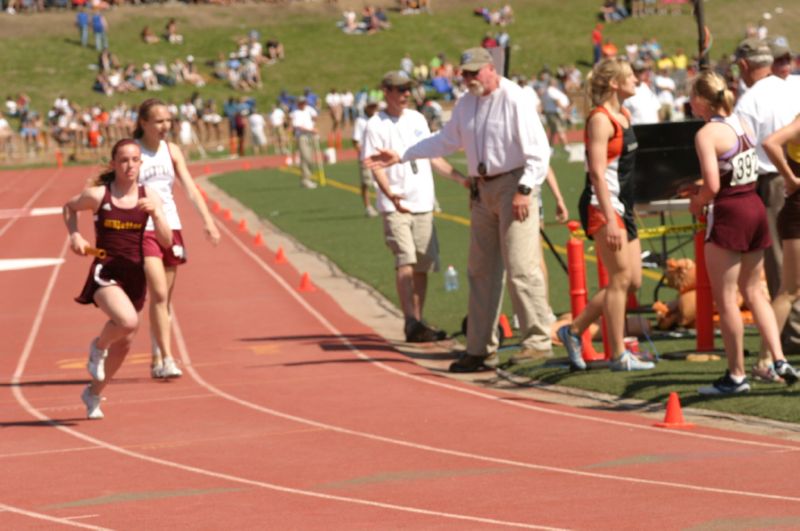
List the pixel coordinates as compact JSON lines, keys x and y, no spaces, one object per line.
{"x":450,"y":279}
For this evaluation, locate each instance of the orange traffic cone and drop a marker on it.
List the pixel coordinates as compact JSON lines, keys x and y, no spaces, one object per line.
{"x":246,"y":166}
{"x":243,"y":225}
{"x":203,"y":193}
{"x":280,"y":258}
{"x":258,"y":240}
{"x":305,"y":283}
{"x":504,"y":324}
{"x":674,"y":416}
{"x":214,"y":206}
{"x":227,"y":214}
{"x":206,"y":169}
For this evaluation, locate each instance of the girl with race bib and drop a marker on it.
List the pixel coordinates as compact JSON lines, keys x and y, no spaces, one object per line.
{"x":736,"y":232}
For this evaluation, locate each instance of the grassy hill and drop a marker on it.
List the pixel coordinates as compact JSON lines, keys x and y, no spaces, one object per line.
{"x":41,"y":54}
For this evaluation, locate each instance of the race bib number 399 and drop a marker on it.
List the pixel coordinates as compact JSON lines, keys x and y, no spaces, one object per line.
{"x":745,"y":168}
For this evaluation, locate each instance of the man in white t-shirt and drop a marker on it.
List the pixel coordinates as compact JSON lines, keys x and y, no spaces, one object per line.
{"x":303,"y":120}
{"x":256,"y":124}
{"x":644,"y":104}
{"x":277,"y":122}
{"x":359,"y":133}
{"x":555,"y":105}
{"x":333,"y":100}
{"x":406,"y":200}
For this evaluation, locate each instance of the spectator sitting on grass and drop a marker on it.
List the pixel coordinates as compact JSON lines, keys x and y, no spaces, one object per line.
{"x":275,"y":51}
{"x":172,"y":36}
{"x":148,"y":37}
{"x":221,"y":67}
{"x":149,"y":78}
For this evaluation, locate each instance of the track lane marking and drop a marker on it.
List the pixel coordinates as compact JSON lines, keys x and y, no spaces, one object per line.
{"x":48,"y":518}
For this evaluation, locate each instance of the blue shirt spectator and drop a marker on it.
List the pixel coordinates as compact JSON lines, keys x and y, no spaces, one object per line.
{"x":82,"y":21}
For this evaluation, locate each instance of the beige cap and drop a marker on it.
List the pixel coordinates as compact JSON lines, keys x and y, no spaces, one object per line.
{"x":779,"y":46}
{"x":752,"y":48}
{"x":397,"y":78}
{"x":474,"y":59}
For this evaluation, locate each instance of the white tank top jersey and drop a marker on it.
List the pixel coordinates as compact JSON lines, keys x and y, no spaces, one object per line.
{"x":158,"y":173}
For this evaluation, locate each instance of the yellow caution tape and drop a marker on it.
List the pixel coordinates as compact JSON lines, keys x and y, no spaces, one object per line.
{"x":646,"y":233}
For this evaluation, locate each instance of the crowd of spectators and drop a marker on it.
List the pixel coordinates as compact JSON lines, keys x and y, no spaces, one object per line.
{"x":373,"y":19}
{"x":616,"y":10}
{"x":501,"y":17}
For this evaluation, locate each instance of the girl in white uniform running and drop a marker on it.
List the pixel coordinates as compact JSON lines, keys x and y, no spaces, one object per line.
{"x":162,"y":163}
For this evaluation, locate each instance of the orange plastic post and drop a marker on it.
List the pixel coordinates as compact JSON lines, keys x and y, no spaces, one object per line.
{"x":339,"y":140}
{"x":579,"y":297}
{"x":704,"y":321}
{"x":232,"y":145}
{"x":59,"y":159}
{"x":506,"y":326}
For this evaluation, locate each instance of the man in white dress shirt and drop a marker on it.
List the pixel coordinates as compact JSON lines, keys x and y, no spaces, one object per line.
{"x":507,"y":157}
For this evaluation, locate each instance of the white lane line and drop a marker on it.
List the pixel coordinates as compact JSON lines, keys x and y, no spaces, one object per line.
{"x":48,"y":518}
{"x":30,"y":201}
{"x":45,"y":211}
{"x":476,"y":392}
{"x":27,"y":406}
{"x":14,"y":264}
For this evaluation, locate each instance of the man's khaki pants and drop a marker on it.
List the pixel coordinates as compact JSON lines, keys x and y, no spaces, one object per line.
{"x":499,"y":244}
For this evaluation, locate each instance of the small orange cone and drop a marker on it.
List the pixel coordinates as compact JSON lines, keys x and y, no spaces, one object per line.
{"x":206,"y":169}
{"x":674,"y":416}
{"x":215,"y":206}
{"x":280,"y":258}
{"x":243,"y":225}
{"x":305,"y":283}
{"x":203,"y":193}
{"x":258,"y":240}
{"x":227,"y":214}
{"x":504,"y":324}
{"x":246,"y":166}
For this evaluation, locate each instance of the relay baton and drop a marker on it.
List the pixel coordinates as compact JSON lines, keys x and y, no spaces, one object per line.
{"x":99,"y":253}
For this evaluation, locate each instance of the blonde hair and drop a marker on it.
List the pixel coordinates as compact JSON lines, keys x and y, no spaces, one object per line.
{"x":598,"y":82}
{"x":711,"y":87}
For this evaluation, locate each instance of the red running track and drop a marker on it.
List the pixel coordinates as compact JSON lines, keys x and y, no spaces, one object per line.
{"x":293,"y":415}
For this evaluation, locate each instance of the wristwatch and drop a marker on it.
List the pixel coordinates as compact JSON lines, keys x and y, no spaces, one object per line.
{"x":524,"y":190}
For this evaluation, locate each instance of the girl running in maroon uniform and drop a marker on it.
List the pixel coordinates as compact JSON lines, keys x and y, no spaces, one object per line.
{"x":736,"y":233}
{"x":116,"y":282}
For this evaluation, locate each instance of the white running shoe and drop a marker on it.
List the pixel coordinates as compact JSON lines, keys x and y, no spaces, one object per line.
{"x":370,"y":211}
{"x":308,"y":184}
{"x":629,"y":362}
{"x":92,"y":403}
{"x":170,"y":369}
{"x":97,"y":361}
{"x":157,"y":372}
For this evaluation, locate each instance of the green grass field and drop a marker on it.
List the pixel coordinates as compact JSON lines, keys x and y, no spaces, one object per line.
{"x":330,"y":220}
